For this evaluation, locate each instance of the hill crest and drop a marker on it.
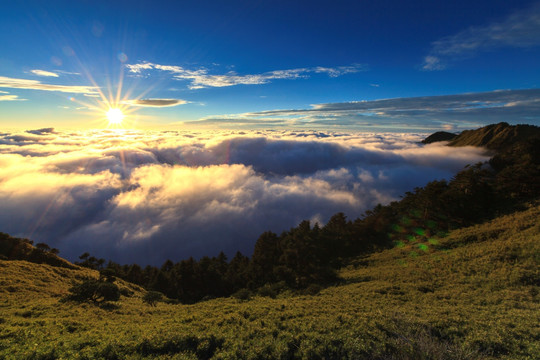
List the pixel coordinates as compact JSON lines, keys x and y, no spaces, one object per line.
{"x":495,"y":137}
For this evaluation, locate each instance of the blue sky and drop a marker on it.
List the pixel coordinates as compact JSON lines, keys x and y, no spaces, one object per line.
{"x":439,"y":65}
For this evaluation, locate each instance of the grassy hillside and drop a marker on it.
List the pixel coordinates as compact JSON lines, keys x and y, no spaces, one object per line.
{"x":473,"y":294}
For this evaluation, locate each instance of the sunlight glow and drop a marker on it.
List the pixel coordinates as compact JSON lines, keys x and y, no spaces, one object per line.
{"x":110,"y":107}
{"x":115,"y":116}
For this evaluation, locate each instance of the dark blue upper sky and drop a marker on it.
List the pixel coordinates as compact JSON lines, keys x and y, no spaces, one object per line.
{"x":224,"y":63}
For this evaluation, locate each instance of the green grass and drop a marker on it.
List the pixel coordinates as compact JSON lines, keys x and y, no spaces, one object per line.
{"x":473,"y":294}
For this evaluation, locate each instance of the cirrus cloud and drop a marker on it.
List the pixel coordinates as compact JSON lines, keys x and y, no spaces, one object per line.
{"x":15,"y":83}
{"x":201,"y":78}
{"x":44,"y":73}
{"x":10,"y":97}
{"x":418,"y":113}
{"x":521,"y":29}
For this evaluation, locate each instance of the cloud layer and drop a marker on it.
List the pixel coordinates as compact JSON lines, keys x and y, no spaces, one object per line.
{"x":460,"y":111}
{"x":15,"y":83}
{"x":155,"y":102}
{"x":148,"y":196}
{"x":201,"y":78}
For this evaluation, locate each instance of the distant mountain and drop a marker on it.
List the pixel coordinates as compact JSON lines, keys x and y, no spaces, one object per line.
{"x":439,"y":136}
{"x":496,"y":137}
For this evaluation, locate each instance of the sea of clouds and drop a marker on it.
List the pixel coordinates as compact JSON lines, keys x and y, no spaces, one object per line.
{"x":133,"y":196}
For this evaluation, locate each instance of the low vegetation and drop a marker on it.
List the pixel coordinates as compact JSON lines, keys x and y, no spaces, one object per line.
{"x":470,"y":295}
{"x":97,"y":291}
{"x":152,"y":297}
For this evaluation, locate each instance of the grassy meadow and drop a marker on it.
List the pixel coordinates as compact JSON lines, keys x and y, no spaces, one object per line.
{"x":473,"y":294}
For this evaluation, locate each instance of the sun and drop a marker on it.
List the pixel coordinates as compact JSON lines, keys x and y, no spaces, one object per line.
{"x":115,"y":116}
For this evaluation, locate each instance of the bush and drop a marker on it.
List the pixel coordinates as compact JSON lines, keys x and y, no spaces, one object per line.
{"x":96,"y":291}
{"x":242,"y":294}
{"x":107,"y":275}
{"x":312,"y":289}
{"x":267,"y":291}
{"x":272,"y":290}
{"x":126,"y":292}
{"x":152,"y":297}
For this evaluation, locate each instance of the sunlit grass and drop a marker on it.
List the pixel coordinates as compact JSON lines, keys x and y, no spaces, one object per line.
{"x":473,"y":294}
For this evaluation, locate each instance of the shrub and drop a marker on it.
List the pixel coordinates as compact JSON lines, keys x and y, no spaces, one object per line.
{"x":25,"y":314}
{"x":267,"y":291}
{"x":152,"y":297}
{"x":313,"y":289}
{"x":272,"y":290}
{"x":107,"y":275}
{"x":97,"y":291}
{"x":126,"y":292}
{"x":242,"y":294}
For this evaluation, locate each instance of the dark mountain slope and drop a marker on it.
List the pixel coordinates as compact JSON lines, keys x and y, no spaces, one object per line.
{"x":496,"y":137}
{"x":439,"y":136}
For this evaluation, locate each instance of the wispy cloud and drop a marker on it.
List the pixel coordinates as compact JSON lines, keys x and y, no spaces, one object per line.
{"x":67,"y":72}
{"x":421,"y":113}
{"x":155,"y":102}
{"x":433,"y":63}
{"x":340,"y":70}
{"x":201,"y":78}
{"x":43,"y":73}
{"x":14,"y":83}
{"x":9,"y":97}
{"x":521,"y":29}
{"x":138,"y":68}
{"x":41,"y":131}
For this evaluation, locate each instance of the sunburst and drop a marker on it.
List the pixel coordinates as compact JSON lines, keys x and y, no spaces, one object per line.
{"x":112,"y":107}
{"x":115,"y":116}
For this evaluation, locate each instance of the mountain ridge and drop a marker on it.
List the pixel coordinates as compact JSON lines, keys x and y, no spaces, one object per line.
{"x":439,"y":136}
{"x":495,"y":137}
